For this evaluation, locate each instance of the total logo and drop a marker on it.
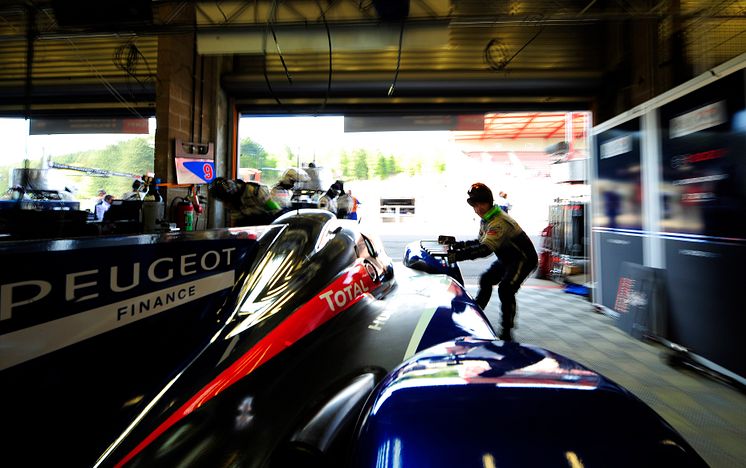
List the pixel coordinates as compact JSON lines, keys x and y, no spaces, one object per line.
{"x":339,"y":298}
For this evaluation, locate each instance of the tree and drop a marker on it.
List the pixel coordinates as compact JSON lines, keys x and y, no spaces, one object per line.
{"x":382,"y":169}
{"x":254,"y":155}
{"x":135,"y":156}
{"x":361,"y":164}
{"x":345,"y":165}
{"x":393,"y":167}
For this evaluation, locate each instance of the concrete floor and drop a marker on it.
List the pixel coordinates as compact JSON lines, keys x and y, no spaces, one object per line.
{"x":709,"y":414}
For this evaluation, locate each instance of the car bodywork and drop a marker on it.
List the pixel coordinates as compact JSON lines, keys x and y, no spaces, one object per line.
{"x":294,"y":344}
{"x":301,"y":308}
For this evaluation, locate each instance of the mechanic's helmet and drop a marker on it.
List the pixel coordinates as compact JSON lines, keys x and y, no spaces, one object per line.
{"x":332,"y":193}
{"x":479,"y":193}
{"x":225,"y":190}
{"x":293,"y":175}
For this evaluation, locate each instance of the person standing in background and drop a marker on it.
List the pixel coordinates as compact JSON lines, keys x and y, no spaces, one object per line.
{"x":355,"y":203}
{"x":103,"y":207}
{"x":100,"y":197}
{"x":502,"y":201}
{"x":328,"y":200}
{"x":136,"y":193}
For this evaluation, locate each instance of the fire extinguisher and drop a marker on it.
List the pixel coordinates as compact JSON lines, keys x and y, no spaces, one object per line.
{"x":185,"y":215}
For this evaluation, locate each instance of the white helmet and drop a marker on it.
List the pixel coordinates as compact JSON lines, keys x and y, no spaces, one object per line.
{"x":293,"y":175}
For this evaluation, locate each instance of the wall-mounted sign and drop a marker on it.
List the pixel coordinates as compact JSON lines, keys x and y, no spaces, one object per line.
{"x":195,"y":162}
{"x":400,"y":123}
{"x":703,"y":118}
{"x":77,"y":126}
{"x":616,"y":147}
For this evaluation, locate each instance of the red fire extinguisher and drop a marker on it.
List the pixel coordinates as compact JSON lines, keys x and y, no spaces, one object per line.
{"x":185,"y":215}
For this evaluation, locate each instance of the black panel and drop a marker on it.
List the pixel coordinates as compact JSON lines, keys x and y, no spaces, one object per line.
{"x":392,"y":10}
{"x":97,"y":13}
{"x":707,"y":301}
{"x":703,"y":143}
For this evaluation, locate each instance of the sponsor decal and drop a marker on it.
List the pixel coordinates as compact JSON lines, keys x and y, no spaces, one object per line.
{"x":339,"y":298}
{"x":684,"y":161}
{"x":616,"y":147}
{"x":703,"y":118}
{"x":626,"y":285}
{"x":73,"y":291}
{"x":627,"y":297}
{"x":701,"y":180}
{"x":380,"y":321}
{"x":698,"y":253}
{"x":29,"y":343}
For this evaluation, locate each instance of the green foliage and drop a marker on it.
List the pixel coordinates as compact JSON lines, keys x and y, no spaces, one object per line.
{"x":134,"y":156}
{"x":382,"y":169}
{"x":253,"y":155}
{"x":360,"y":164}
{"x":345,"y":165}
{"x":393,"y":167}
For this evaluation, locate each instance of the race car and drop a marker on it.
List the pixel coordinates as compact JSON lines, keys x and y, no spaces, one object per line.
{"x":299,"y":343}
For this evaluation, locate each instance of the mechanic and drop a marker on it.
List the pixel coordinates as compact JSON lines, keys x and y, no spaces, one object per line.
{"x":516,"y":256}
{"x":344,"y":202}
{"x":282,"y":191}
{"x":328,"y":200}
{"x":250,"y":202}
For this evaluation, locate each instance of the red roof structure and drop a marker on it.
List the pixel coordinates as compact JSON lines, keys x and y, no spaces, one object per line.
{"x":516,"y":125}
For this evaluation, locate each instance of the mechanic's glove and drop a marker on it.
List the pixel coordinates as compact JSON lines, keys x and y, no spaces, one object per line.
{"x":452,"y":256}
{"x":446,"y":239}
{"x":456,"y":253}
{"x":467,"y":251}
{"x":465,"y":244}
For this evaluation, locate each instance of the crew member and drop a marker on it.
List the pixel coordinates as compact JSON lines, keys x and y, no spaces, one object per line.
{"x":344,"y":202}
{"x":516,"y":256}
{"x":100,"y":197}
{"x":103,"y":207}
{"x":250,"y":203}
{"x":282,"y":191}
{"x":328,"y":200}
{"x":136,"y":193}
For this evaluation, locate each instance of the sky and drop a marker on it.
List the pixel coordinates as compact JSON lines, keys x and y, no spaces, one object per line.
{"x":308,"y":134}
{"x":304,"y":135}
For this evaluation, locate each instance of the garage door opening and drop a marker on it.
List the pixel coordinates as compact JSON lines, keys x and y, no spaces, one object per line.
{"x":411,"y":173}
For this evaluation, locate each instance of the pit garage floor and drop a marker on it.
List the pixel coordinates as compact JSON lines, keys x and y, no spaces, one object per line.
{"x":711,"y":415}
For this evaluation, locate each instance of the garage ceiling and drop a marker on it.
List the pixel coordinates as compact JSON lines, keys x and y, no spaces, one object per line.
{"x":507,"y":55}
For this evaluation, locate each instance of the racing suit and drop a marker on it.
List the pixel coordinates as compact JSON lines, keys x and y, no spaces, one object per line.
{"x":328,"y":201}
{"x":282,"y":196}
{"x":256,"y":206}
{"x":344,"y":206}
{"x":516,"y":259}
